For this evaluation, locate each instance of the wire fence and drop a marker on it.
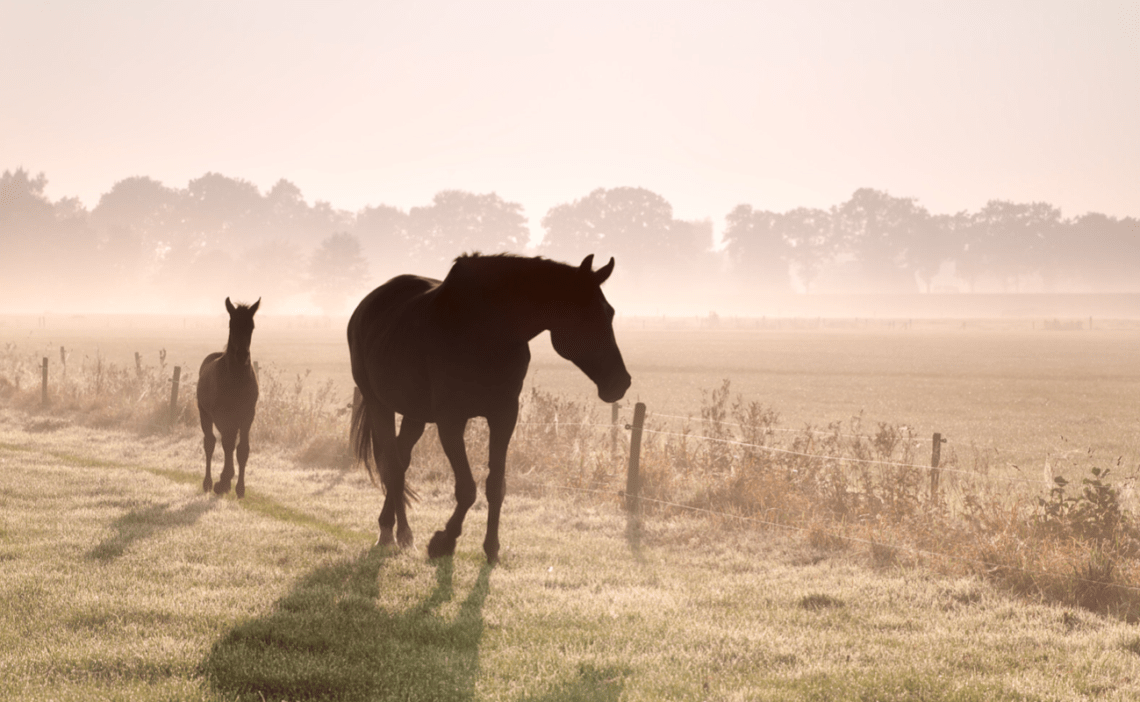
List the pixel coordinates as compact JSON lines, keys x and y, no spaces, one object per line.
{"x":798,"y":522}
{"x":925,"y":553}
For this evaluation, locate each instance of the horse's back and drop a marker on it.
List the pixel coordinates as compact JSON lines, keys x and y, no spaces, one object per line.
{"x":383,"y":334}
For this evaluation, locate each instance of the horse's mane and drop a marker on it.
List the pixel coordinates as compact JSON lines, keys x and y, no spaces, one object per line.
{"x":542,"y":276}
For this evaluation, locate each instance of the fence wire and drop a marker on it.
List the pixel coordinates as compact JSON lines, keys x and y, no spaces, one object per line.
{"x":844,"y":537}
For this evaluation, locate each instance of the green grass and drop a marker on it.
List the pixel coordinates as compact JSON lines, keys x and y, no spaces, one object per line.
{"x":121,"y":580}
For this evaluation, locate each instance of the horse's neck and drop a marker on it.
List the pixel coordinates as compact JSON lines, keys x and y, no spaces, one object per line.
{"x":507,"y":310}
{"x":235,"y":357}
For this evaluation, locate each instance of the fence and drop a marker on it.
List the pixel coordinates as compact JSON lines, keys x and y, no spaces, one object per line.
{"x":1084,"y":579}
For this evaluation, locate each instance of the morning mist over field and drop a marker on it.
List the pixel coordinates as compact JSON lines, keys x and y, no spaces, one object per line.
{"x":775,"y":159}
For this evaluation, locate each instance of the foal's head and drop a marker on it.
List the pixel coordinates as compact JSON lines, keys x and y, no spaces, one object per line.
{"x":241,"y":328}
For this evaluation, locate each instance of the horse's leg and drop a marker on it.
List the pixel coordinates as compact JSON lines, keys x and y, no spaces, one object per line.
{"x":382,"y":427}
{"x":410,"y":432}
{"x":451,"y":438}
{"x":242,"y":457}
{"x":501,"y":427}
{"x":208,"y":443}
{"x":229,"y":438}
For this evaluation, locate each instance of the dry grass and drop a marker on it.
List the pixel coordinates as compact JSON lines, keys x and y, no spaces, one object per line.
{"x":844,"y":486}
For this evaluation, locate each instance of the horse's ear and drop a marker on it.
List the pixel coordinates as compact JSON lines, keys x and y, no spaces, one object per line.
{"x":229,"y":306}
{"x":604,"y":272}
{"x":587,"y":263}
{"x":254,"y":306}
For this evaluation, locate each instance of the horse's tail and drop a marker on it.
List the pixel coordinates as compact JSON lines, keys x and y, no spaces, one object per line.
{"x":361,"y":439}
{"x":361,"y":436}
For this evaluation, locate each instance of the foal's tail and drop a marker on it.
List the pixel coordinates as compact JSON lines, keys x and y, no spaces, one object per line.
{"x":361,"y":439}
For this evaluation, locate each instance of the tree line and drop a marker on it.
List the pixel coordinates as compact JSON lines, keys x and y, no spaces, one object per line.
{"x":146,"y":245}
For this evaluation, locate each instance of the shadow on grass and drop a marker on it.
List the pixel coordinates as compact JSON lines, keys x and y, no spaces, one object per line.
{"x":140,"y":524}
{"x":327,"y":639}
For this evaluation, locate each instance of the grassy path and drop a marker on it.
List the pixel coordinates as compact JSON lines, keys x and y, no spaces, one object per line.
{"x":120,"y":580}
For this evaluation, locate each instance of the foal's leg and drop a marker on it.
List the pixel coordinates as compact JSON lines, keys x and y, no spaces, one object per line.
{"x":208,"y":442}
{"x":242,"y":457}
{"x":229,"y":438}
{"x":451,"y":437}
{"x":501,"y":428}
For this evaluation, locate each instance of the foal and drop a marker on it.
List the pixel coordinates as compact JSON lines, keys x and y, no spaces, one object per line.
{"x":227,"y":398}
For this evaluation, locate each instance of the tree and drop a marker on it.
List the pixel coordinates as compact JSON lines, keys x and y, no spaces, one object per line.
{"x":459,"y":222}
{"x":135,"y":221}
{"x":937,"y":241}
{"x":383,"y":234}
{"x":47,"y":250}
{"x":757,"y":247}
{"x":880,"y":231}
{"x":336,"y":272}
{"x":631,"y":224}
{"x":25,"y":215}
{"x":1011,"y":241}
{"x":811,"y":241}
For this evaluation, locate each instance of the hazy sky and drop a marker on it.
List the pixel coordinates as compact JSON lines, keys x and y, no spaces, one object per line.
{"x":709,"y":104}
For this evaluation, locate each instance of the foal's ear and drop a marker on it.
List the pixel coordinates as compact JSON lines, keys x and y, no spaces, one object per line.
{"x":587,"y":263}
{"x":604,"y":272}
{"x":254,"y":306}
{"x":229,"y":306}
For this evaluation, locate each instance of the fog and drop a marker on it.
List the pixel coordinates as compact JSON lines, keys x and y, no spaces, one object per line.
{"x":735,"y":158}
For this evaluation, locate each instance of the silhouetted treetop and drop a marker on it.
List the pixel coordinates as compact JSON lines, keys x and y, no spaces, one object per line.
{"x":458,"y":221}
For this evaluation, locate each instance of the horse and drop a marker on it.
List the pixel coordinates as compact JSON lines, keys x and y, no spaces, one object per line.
{"x":227,"y":398}
{"x":447,"y":351}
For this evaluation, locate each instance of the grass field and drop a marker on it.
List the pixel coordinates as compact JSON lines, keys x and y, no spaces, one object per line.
{"x":1010,"y":395}
{"x":121,"y":581}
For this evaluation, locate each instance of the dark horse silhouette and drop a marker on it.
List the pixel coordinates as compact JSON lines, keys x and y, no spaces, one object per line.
{"x":445,"y":352}
{"x":227,"y":398}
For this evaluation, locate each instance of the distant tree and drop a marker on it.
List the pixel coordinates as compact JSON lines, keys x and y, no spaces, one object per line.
{"x":337,"y":271}
{"x":631,"y":224}
{"x":457,"y":222}
{"x":938,"y":240}
{"x":47,"y":250}
{"x":1102,"y":252}
{"x":811,"y":242}
{"x":135,"y":220}
{"x":880,"y":231}
{"x":758,"y":249}
{"x":1013,"y":240}
{"x":26,"y":214}
{"x":662,"y":259}
{"x":383,"y":234}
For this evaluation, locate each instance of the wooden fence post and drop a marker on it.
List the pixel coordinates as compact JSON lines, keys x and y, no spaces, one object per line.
{"x":174,"y":394}
{"x":613,"y":428}
{"x":935,"y":457}
{"x":633,"y":479}
{"x":43,"y":391}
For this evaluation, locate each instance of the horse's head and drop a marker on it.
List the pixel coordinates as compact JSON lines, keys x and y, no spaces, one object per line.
{"x":584,"y":332}
{"x":241,"y":327}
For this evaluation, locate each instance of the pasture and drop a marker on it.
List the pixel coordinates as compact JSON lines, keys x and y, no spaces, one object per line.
{"x":123,"y":581}
{"x":1009,"y":396}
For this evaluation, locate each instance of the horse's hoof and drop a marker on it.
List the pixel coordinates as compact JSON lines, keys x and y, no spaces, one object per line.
{"x":207,"y":484}
{"x":385,"y":538}
{"x":221,"y":488}
{"x":441,"y":545}
{"x":405,"y":538}
{"x":240,"y":491}
{"x":492,"y":554}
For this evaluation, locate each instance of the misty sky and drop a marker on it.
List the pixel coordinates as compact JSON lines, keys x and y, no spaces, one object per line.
{"x":709,"y":104}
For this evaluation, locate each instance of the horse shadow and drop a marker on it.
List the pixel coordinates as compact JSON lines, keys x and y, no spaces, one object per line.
{"x":141,"y":524}
{"x":328,"y":639}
